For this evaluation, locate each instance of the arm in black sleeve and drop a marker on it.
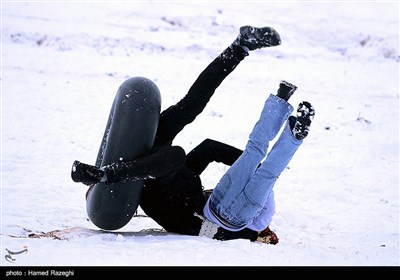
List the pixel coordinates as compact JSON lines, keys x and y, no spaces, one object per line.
{"x":209,"y":151}
{"x":162,"y":162}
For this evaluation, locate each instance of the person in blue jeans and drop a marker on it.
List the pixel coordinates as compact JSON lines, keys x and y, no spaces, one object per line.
{"x":243,"y":198}
{"x":173,"y":194}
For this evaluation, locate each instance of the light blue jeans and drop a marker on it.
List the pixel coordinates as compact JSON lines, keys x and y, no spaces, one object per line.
{"x":240,"y":195}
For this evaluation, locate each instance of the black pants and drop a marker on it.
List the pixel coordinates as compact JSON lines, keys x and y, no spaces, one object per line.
{"x":176,"y":117}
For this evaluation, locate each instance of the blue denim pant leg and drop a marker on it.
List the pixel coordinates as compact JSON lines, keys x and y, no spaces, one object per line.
{"x":259,"y":188}
{"x":229,"y":200}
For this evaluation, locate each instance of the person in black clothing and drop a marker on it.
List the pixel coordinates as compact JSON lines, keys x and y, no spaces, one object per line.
{"x":173,"y":191}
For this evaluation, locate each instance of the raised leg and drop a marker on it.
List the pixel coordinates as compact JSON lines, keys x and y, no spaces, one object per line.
{"x":176,"y":117}
{"x":224,"y":199}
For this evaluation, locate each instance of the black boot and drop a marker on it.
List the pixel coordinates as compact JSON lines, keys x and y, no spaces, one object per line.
{"x":85,"y":173}
{"x":286,"y":90}
{"x":251,"y":38}
{"x":301,"y":125}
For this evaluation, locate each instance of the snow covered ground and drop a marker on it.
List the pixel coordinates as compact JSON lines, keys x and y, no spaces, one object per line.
{"x":337,"y":203}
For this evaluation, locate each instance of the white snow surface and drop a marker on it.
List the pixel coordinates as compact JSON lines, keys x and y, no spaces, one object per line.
{"x":62,"y":63}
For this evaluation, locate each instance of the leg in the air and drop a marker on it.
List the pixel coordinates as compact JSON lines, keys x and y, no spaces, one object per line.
{"x":176,"y":117}
{"x":250,"y":202}
{"x":224,"y":199}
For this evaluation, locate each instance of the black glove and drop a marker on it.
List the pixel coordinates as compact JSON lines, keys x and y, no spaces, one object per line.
{"x":85,"y":173}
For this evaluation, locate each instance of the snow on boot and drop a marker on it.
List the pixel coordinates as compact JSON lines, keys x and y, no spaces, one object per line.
{"x":268,"y":236}
{"x":286,"y":90}
{"x":305,"y":115}
{"x":251,"y":38}
{"x":85,"y":173}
